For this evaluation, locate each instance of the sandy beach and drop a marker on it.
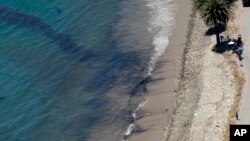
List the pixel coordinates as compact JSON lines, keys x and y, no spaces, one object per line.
{"x":194,"y":92}
{"x":160,"y":100}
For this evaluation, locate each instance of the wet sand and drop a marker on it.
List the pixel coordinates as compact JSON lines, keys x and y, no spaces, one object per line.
{"x":160,"y":100}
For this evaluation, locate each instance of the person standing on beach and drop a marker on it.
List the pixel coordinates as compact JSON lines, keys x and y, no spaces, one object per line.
{"x":240,"y":52}
{"x":239,"y":41}
{"x":237,"y":116}
{"x":239,"y":45}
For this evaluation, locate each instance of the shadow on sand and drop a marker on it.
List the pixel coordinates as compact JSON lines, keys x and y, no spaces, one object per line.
{"x":223,"y":45}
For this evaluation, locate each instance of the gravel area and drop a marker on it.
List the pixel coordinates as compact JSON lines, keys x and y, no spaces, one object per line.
{"x":207,"y":89}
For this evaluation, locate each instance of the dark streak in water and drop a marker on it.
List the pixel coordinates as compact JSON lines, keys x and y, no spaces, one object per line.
{"x":141,"y":87}
{"x":120,"y":62}
{"x":36,"y":24}
{"x":59,"y":11}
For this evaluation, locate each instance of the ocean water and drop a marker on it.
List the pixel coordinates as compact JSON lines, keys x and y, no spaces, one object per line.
{"x":73,"y":70}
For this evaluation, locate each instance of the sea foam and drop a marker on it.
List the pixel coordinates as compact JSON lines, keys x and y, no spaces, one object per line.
{"x":161,"y":23}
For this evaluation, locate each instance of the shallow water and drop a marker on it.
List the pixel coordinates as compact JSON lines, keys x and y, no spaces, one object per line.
{"x":67,"y":68}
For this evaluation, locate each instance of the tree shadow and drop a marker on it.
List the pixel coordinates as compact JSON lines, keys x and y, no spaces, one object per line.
{"x":222,"y":47}
{"x":212,"y":30}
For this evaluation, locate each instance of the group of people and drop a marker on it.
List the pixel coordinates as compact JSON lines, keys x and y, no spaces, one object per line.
{"x":237,"y":46}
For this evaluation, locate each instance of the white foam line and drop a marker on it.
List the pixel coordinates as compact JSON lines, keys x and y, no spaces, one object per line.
{"x":132,"y":125}
{"x":162,"y":22}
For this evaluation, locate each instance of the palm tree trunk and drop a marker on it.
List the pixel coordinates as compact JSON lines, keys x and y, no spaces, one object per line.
{"x":218,"y":36}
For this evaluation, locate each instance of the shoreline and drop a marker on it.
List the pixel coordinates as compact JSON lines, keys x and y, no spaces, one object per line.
{"x":194,"y":92}
{"x":163,"y":84}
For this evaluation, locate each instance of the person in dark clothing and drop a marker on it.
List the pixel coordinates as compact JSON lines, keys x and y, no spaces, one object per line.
{"x":239,"y":41}
{"x":237,"y":116}
{"x":239,"y":47}
{"x":235,"y":47}
{"x":239,"y":53}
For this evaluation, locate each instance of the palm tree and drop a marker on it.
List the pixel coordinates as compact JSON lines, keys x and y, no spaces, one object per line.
{"x":216,"y":13}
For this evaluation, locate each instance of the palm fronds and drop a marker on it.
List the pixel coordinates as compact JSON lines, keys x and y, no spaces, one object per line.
{"x":214,"y":12}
